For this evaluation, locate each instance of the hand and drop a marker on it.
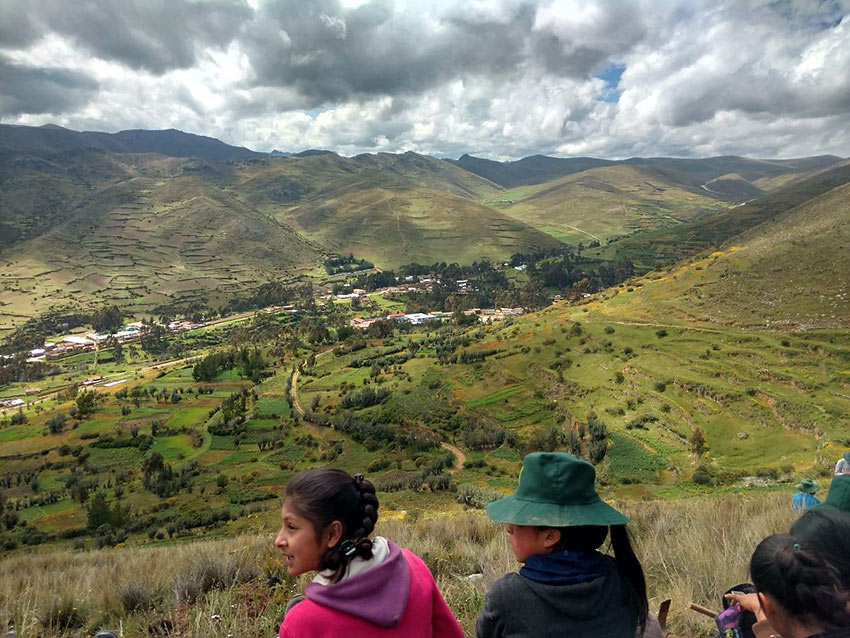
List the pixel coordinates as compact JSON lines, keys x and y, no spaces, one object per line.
{"x":748,"y":602}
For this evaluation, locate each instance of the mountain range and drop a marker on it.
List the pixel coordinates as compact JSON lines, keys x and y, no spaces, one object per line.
{"x":143,"y":218}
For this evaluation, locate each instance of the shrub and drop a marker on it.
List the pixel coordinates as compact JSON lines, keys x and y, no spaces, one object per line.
{"x":702,"y":476}
{"x":210,"y":570}
{"x":135,"y":596}
{"x":475,"y":497}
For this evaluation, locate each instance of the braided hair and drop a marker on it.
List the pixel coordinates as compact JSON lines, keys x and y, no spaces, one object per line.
{"x":804,"y":580}
{"x":324,"y":496}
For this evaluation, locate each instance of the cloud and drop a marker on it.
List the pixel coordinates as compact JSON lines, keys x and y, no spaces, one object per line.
{"x":498,"y":78}
{"x":36,"y":90}
{"x":154,"y":35}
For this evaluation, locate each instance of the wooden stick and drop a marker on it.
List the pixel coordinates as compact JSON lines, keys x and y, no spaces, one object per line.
{"x":703,"y":610}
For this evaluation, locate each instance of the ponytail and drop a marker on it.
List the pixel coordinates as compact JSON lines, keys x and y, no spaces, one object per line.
{"x":324,"y":496}
{"x":802,"y":579}
{"x":588,"y":538}
{"x":631,"y":572}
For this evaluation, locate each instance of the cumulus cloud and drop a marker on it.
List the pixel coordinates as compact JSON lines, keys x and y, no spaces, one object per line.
{"x":36,"y":90}
{"x":154,"y":35}
{"x":498,"y":78}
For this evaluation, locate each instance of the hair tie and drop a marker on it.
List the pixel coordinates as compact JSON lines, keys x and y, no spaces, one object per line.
{"x":358,"y":481}
{"x":796,"y":547}
{"x":347,"y":548}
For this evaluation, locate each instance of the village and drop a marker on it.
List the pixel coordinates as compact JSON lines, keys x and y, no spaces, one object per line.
{"x":132,"y":332}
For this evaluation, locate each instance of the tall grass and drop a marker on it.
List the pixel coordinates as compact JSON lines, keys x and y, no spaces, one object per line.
{"x":692,"y":550}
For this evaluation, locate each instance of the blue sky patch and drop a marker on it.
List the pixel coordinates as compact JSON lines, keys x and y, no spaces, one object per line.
{"x":611,"y":75}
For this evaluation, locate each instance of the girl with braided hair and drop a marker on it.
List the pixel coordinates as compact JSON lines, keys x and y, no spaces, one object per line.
{"x":365,"y":587}
{"x":803,"y":580}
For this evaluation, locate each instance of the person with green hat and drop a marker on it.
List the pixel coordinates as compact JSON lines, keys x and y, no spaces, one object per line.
{"x":843,"y":465}
{"x":805,"y":496}
{"x":556,"y":523}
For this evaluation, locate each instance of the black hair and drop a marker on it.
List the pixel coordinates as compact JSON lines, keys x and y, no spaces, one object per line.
{"x":324,"y":496}
{"x":827,"y":529}
{"x":591,"y":537}
{"x":803,"y":578}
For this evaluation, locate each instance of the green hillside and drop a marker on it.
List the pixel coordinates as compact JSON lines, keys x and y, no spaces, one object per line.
{"x":604,"y":203}
{"x":146,"y":242}
{"x":667,"y":245}
{"x":788,"y":273}
{"x":390,"y":209}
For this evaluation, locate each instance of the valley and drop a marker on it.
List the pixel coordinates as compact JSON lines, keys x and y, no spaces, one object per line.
{"x":411,"y":319}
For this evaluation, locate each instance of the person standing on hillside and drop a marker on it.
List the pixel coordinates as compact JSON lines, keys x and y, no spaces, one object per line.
{"x":556,"y":524}
{"x":365,"y":587}
{"x":805,"y":496}
{"x":843,"y":465}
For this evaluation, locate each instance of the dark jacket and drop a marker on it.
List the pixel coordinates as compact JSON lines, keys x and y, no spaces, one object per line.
{"x":517,"y":607}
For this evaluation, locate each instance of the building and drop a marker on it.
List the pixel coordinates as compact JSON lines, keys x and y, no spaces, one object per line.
{"x":417,"y":318}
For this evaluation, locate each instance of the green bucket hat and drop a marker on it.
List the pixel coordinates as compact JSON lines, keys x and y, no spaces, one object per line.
{"x":807,"y":486}
{"x":555,"y":490}
{"x":839,"y":494}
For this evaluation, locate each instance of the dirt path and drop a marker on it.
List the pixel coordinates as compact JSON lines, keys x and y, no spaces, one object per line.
{"x":293,"y":390}
{"x":576,"y":228}
{"x":459,"y":456}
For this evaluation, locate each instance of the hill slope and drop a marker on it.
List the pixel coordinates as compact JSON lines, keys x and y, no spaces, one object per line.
{"x":604,"y":203}
{"x":146,"y":242}
{"x":679,"y":242}
{"x":790,"y":273}
{"x":688,"y":173}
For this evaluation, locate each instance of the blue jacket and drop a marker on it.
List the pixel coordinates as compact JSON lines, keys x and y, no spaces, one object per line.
{"x":803,"y":501}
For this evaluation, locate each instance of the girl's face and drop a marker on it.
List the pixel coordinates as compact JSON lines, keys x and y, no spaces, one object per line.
{"x":297,"y":540}
{"x":527,"y":540}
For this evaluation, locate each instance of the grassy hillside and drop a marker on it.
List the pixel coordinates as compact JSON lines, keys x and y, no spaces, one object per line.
{"x":689,"y":173}
{"x":146,"y":242}
{"x":604,"y":203}
{"x":390,"y":209}
{"x":239,"y":586}
{"x":789,"y":273}
{"x":675,"y":243}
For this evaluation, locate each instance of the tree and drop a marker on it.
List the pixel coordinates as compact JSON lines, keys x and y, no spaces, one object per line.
{"x":698,"y":442}
{"x":154,"y":341}
{"x":107,"y":318}
{"x":86,"y":403}
{"x":56,"y":423}
{"x":117,"y":350}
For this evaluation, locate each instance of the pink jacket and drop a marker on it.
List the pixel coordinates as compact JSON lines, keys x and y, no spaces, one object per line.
{"x":397,"y":598}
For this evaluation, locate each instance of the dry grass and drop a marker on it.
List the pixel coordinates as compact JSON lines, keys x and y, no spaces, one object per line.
{"x":692,"y":551}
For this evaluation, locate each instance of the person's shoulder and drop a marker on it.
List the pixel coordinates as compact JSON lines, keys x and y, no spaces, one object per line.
{"x":507,"y":586}
{"x":301,"y":616}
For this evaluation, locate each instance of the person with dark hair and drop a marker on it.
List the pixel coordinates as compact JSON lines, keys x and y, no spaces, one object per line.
{"x":556,"y":524}
{"x":365,"y":587}
{"x":803,"y":579}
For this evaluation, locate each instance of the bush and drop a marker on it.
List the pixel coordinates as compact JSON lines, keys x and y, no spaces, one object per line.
{"x":475,"y":497}
{"x":702,"y":476}
{"x":136,"y":597}
{"x":210,"y":570}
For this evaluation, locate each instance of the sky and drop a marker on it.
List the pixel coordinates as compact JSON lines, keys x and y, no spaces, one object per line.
{"x":501,"y":79}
